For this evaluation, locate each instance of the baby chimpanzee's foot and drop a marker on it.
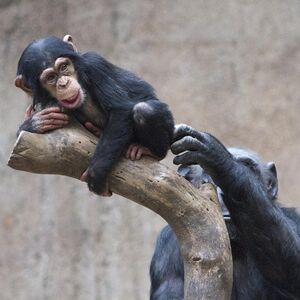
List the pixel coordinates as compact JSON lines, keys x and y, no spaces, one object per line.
{"x":105,"y":193}
{"x":136,"y":151}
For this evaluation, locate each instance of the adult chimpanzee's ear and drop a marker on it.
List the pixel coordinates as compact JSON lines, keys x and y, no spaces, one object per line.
{"x":19,"y":82}
{"x":272,"y":168}
{"x":68,"y":39}
{"x":272,"y":181}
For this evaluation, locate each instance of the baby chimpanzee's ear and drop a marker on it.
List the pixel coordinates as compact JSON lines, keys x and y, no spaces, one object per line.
{"x":19,"y":82}
{"x":68,"y":39}
{"x":272,"y":184}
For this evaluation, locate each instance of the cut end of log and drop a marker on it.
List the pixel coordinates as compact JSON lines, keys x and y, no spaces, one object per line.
{"x":14,"y":158}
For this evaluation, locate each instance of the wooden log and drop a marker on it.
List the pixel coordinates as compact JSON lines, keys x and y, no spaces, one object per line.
{"x":193,"y":214}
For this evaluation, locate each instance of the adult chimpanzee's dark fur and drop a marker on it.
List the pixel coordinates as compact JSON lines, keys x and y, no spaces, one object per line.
{"x":128,"y":105}
{"x":265,"y":238}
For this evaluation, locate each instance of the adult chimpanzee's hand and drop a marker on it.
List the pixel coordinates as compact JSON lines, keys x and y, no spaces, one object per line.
{"x":193,"y":147}
{"x":45,"y":120}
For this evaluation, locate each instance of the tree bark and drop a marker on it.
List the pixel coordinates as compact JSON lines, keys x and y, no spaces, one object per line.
{"x":194,"y":215}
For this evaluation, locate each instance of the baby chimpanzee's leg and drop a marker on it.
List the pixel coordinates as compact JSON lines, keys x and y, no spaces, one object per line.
{"x":154,"y":126}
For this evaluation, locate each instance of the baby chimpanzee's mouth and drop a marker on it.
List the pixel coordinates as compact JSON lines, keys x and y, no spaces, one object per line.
{"x":73,"y":101}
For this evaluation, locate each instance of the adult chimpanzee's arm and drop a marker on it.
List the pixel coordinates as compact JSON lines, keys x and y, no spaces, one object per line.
{"x":113,"y":141}
{"x":45,"y":120}
{"x":270,"y":236}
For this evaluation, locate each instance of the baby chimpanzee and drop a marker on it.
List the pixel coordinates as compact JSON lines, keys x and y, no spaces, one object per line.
{"x":124,"y":106}
{"x":265,"y":238}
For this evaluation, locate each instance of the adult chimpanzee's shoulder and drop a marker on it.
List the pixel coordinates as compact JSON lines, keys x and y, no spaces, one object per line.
{"x":293,"y":214}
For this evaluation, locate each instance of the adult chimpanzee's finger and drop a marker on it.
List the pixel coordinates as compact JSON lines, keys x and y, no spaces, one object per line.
{"x":185,"y":144}
{"x":182,"y":130}
{"x":187,"y":158}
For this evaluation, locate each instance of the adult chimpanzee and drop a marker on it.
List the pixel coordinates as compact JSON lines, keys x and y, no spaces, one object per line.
{"x":121,"y":104}
{"x":265,"y":238}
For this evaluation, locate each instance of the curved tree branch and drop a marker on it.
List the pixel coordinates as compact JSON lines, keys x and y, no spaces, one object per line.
{"x":193,"y":214}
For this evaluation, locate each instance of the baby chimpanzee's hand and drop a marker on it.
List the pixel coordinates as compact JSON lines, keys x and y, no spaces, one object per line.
{"x":45,"y":120}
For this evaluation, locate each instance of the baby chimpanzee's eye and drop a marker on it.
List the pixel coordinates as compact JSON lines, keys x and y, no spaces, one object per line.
{"x":51,"y":78}
{"x":63,"y":67}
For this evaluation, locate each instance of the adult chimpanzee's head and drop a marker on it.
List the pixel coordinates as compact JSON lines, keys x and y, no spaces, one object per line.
{"x":265,"y":172}
{"x":46,"y":70}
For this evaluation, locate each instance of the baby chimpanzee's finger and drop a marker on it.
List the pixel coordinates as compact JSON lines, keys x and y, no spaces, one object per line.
{"x":28,"y":112}
{"x":46,"y":128}
{"x":54,"y":122}
{"x":182,"y":130}
{"x":185,"y":144}
{"x":92,"y":128}
{"x":133,"y":152}
{"x":53,"y":109}
{"x":140,"y":152}
{"x":107,"y":192}
{"x":53,"y":115}
{"x":127,"y":155}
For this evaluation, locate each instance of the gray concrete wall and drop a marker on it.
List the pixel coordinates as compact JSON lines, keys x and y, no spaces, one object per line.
{"x":229,"y":67}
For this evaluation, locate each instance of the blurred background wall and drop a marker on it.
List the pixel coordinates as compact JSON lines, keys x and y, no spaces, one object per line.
{"x":228,"y":67}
